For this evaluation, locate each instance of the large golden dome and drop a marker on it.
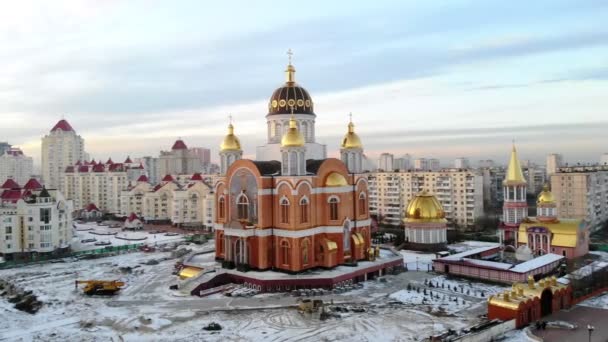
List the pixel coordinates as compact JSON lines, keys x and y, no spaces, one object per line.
{"x":545,"y":196}
{"x":424,"y":208}
{"x":293,"y":137}
{"x":231,"y":142}
{"x":290,"y":96}
{"x":351,"y":139}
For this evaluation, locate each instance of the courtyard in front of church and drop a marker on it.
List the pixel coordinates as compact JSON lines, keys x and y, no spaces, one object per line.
{"x":409,"y":306}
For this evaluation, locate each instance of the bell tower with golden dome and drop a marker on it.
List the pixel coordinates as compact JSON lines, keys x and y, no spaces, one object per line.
{"x":293,"y":150}
{"x":351,"y":149}
{"x":515,"y":207}
{"x":230,"y":149}
{"x":285,"y":100}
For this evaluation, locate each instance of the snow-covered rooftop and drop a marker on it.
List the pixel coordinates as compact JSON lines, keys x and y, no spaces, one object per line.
{"x":536,"y":263}
{"x":465,"y":254}
{"x":488,"y":263}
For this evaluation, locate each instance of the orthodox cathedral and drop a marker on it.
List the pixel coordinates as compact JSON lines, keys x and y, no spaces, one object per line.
{"x":293,"y":208}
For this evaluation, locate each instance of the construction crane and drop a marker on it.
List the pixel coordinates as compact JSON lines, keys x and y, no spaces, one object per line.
{"x":100,"y":287}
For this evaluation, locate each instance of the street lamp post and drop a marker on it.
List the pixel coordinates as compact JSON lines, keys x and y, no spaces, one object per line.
{"x":590,"y":328}
{"x":417,"y":269}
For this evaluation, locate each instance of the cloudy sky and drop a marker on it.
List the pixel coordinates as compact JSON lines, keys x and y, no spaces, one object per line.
{"x":429,"y":78}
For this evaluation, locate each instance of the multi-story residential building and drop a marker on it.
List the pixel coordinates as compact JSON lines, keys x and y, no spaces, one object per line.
{"x":536,"y":177}
{"x":204,"y":154}
{"x":33,"y":219}
{"x":424,"y":164}
{"x":151,"y":166}
{"x":4,"y":146}
{"x":554,"y":162}
{"x":459,"y":191}
{"x":493,"y":193}
{"x":99,"y":183}
{"x":15,"y":165}
{"x":462,"y":163}
{"x":385,"y":162}
{"x":581,"y":192}
{"x":402,"y":163}
{"x":61,"y":148}
{"x":180,"y":160}
{"x":486,"y":163}
{"x":183,"y":201}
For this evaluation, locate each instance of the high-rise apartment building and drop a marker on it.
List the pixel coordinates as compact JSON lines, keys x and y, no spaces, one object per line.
{"x":204,"y":154}
{"x":462,"y":163}
{"x":180,"y":160}
{"x":460,"y":192}
{"x":554,"y":162}
{"x":4,"y":146}
{"x":61,"y":148}
{"x":16,"y":166}
{"x":424,"y":164}
{"x":402,"y":163}
{"x":581,"y":192}
{"x":385,"y":162}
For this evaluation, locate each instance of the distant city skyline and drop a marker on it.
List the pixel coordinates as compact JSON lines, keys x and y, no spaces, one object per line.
{"x":447,"y":80}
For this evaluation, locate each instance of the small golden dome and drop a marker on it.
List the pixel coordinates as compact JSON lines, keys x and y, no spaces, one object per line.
{"x":335,"y":179}
{"x":231,"y":142}
{"x":424,"y":208}
{"x":351,"y":139}
{"x":545,"y":196}
{"x":293,"y":137}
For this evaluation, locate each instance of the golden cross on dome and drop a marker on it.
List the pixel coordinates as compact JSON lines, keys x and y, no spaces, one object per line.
{"x":230,"y":119}
{"x":350,"y":116}
{"x":289,"y":55}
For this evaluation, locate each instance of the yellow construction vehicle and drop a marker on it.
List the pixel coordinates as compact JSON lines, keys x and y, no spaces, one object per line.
{"x":100,"y":287}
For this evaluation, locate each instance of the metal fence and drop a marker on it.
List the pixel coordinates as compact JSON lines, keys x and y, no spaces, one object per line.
{"x":95,"y":253}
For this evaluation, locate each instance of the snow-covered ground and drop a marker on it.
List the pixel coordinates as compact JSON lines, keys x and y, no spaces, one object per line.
{"x":597,"y":302}
{"x":417,"y":260}
{"x":146,"y":310}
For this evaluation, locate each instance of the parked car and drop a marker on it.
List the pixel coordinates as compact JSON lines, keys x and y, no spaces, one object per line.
{"x":171,"y":234}
{"x":103,"y":243}
{"x":87,"y":240}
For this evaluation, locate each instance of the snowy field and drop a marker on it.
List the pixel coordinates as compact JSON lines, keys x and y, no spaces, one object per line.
{"x":146,"y":310}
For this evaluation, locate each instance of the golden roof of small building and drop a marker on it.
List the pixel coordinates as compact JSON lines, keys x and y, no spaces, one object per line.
{"x":515,"y":175}
{"x":293,"y":137}
{"x":335,"y":179}
{"x":564,"y":233}
{"x":545,"y":196}
{"x":521,"y":293}
{"x":351,"y":139}
{"x":424,"y":207}
{"x":231,"y":142}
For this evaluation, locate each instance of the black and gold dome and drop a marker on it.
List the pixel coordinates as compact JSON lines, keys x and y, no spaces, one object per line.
{"x":290,"y":96}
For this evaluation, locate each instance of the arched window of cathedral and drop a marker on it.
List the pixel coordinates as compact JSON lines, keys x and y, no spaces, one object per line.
{"x":304,"y":210}
{"x":284,"y":204}
{"x":242,"y":207}
{"x":305,"y":247}
{"x":221,"y":208}
{"x":285,"y":252}
{"x":333,"y":208}
{"x":362,"y":204}
{"x":273,"y":129}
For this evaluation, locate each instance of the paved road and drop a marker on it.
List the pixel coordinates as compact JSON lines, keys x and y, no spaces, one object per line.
{"x":581,"y":316}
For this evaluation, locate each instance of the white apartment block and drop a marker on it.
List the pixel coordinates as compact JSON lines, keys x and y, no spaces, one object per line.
{"x":34,"y":220}
{"x":180,"y":160}
{"x":402,"y":163}
{"x":462,"y":163}
{"x":459,"y":191}
{"x":183,"y":201}
{"x":385,"y":162}
{"x":99,"y":184}
{"x":15,"y":165}
{"x":60,"y":149}
{"x":554,"y":162}
{"x":581,"y":192}
{"x":424,"y":164}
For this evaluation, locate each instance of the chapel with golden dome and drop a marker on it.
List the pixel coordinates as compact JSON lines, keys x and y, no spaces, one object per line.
{"x":292,"y":209}
{"x":425,"y":223}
